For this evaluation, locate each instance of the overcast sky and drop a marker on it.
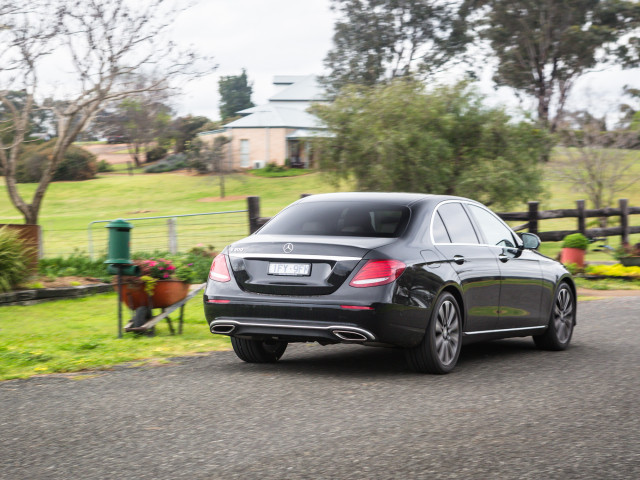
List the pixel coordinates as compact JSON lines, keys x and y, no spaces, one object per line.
{"x":267,"y":38}
{"x":292,"y":37}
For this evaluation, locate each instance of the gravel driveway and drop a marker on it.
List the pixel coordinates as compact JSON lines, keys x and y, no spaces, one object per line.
{"x":507,"y":411}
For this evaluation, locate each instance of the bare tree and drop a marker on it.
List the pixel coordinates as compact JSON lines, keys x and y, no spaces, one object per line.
{"x":212,"y":158}
{"x":598,"y":163}
{"x":141,"y":118}
{"x":106,"y":44}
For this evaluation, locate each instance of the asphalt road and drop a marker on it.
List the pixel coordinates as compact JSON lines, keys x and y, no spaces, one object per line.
{"x":507,"y":411}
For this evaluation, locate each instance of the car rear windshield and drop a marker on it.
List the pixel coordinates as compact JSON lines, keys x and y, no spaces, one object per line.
{"x":357,"y":219}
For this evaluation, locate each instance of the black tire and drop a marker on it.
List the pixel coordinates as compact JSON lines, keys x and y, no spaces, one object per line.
{"x":258,"y":351}
{"x":439,"y":350}
{"x":561,"y":322}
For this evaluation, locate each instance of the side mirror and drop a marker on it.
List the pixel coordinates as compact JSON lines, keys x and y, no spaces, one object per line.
{"x":530,"y":240}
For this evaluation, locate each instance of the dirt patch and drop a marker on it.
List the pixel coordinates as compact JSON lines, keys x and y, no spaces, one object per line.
{"x":136,"y":212}
{"x":219,"y":199}
{"x":108,"y":152}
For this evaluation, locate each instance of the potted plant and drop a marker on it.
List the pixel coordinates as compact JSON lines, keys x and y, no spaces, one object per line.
{"x":629,"y":255}
{"x":161,"y":283}
{"x":574,"y":247}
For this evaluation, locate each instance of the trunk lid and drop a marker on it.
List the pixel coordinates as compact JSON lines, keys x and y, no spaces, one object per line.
{"x":297,"y":265}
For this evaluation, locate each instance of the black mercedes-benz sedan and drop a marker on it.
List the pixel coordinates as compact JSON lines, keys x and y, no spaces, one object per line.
{"x":426,"y":273}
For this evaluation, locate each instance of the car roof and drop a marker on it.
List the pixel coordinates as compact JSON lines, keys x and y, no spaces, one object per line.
{"x":393,"y":197}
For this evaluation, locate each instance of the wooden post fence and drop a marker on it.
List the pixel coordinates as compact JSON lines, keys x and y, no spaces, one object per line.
{"x":532,"y":218}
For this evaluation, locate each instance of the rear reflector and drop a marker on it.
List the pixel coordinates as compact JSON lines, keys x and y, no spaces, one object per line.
{"x":214,"y":300}
{"x":219,"y":271}
{"x":378,"y":272}
{"x":355,"y":307}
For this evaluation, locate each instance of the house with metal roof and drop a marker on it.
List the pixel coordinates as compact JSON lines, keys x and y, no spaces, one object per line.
{"x":278,"y":131}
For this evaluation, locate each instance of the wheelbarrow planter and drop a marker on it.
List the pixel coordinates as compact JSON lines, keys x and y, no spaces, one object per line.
{"x":165,"y":294}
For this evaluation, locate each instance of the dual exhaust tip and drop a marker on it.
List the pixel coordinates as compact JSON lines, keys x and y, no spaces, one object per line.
{"x":344,"y":335}
{"x":223,"y":328}
{"x":349,"y":335}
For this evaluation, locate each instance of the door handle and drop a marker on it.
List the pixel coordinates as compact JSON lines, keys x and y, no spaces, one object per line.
{"x":459,"y":259}
{"x":503,"y":258}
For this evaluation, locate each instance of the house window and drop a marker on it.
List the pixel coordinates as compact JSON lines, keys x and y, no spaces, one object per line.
{"x":244,"y":153}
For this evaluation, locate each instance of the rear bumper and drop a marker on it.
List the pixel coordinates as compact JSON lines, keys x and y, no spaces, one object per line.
{"x":325,"y":323}
{"x":291,"y":330}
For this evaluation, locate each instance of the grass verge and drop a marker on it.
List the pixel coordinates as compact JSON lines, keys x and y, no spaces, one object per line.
{"x":81,"y":334}
{"x":607,"y":284}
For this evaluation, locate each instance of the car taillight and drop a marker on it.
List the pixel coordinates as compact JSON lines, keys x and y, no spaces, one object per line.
{"x":219,"y":271}
{"x":378,"y":272}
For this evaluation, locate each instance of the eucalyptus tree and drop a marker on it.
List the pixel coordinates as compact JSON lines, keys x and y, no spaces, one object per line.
{"x":378,"y":40}
{"x":544,"y":46}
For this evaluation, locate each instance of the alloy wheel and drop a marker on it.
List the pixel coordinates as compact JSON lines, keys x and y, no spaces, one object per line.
{"x":563,"y":315}
{"x":447,"y":332}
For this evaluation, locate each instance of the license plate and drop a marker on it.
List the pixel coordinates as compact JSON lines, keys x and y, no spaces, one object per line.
{"x":290,"y":269}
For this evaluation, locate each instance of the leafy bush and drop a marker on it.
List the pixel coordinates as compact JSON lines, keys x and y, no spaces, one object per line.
{"x":14,"y":260}
{"x":77,"y":164}
{"x":76,"y":264}
{"x":199,"y":164}
{"x":169,"y":164}
{"x":274,"y":167}
{"x":575,"y":240}
{"x":192,"y":267}
{"x":156,"y":153}
{"x":573,"y":268}
{"x":104,"y":166}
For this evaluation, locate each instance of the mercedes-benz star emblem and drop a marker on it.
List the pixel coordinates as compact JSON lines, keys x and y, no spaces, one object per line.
{"x":288,"y":247}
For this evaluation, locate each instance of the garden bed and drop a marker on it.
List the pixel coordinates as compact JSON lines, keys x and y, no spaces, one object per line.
{"x":38,"y":295}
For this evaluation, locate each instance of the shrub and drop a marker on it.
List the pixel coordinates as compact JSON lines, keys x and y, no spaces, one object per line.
{"x":169,"y":164}
{"x":77,"y":164}
{"x":156,"y":153}
{"x":14,"y":260}
{"x":76,"y":264}
{"x":274,"y":167}
{"x":575,"y":240}
{"x":199,"y":164}
{"x":104,"y":166}
{"x":574,"y":268}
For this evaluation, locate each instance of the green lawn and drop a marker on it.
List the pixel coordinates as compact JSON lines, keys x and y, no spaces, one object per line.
{"x":80,"y":334}
{"x":69,"y":207}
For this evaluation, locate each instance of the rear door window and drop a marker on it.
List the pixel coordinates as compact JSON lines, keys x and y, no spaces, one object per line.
{"x":457,"y":223}
{"x":440,"y":234}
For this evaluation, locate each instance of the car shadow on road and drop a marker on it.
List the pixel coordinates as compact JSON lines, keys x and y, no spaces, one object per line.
{"x":356,"y":360}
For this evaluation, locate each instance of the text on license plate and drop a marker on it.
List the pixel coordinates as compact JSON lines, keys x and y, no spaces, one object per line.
{"x":292,"y":269}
